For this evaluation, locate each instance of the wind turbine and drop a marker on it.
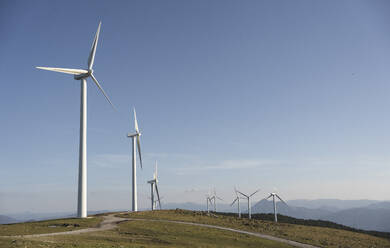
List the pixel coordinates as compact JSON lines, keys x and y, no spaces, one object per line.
{"x":237,"y":199}
{"x":153,"y":187}
{"x":82,"y":75}
{"x":214,"y":198}
{"x":249,"y":200}
{"x":273,"y":198}
{"x":136,"y":143}
{"x":208,"y":200}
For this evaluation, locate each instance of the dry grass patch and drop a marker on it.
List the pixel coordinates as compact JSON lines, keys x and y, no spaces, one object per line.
{"x":318,"y":236}
{"x":147,"y":234}
{"x":49,"y":226}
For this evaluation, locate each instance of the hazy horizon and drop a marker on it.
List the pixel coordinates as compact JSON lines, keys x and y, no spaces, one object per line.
{"x":225,"y":205}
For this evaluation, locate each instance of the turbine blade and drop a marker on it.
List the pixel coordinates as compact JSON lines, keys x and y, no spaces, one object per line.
{"x":254,"y":192}
{"x":233,"y":202}
{"x":155,"y":171}
{"x":242,"y":194}
{"x":280,"y":199}
{"x":101,"y":89}
{"x":269,"y":197}
{"x":158,"y":195}
{"x":219,"y":198}
{"x":91,"y":57}
{"x":139,"y":150}
{"x":135,"y":122}
{"x":64,"y":70}
{"x":266,"y":198}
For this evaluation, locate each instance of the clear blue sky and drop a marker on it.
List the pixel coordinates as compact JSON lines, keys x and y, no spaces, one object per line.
{"x":285,"y":94}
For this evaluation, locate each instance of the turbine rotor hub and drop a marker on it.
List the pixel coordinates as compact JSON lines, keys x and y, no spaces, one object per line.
{"x":84,"y":75}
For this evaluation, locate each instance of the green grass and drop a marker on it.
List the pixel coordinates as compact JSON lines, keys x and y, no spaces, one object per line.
{"x":310,"y":222}
{"x":48,"y":226}
{"x":319,"y":236}
{"x":146,"y":234}
{"x":162,"y":234}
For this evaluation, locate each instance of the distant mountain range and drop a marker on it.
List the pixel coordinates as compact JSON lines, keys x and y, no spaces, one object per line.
{"x":265,"y":206}
{"x":366,"y":218}
{"x":361,"y":214}
{"x":331,"y":204}
{"x":29,"y":216}
{"x":5,"y":219}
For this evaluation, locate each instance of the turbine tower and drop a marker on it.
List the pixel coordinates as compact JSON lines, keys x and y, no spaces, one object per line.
{"x":248,"y":197}
{"x":273,"y":199}
{"x":214,"y":198}
{"x":82,"y":75}
{"x":136,"y":143}
{"x":208,"y":200}
{"x":237,"y":199}
{"x":155,"y":202}
{"x":154,"y":188}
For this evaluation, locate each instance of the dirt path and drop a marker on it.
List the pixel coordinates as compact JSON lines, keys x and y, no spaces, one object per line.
{"x":110,"y":222}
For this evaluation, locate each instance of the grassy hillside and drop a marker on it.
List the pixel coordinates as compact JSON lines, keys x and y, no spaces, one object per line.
{"x":162,"y":234}
{"x":319,"y":236}
{"x":320,"y":223}
{"x":145,"y":234}
{"x":48,"y":226}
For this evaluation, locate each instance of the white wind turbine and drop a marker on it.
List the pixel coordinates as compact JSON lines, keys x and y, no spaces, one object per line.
{"x":136,"y":143}
{"x":237,"y":199}
{"x":273,"y":198}
{"x":248,"y":197}
{"x":208,"y":201}
{"x":214,"y":198}
{"x":154,"y":188}
{"x":82,"y":75}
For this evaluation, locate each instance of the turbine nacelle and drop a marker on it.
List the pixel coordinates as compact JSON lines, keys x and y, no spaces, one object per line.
{"x":136,"y":136}
{"x":273,"y":195}
{"x":80,"y":74}
{"x":129,"y":135}
{"x":83,"y":75}
{"x":246,"y":196}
